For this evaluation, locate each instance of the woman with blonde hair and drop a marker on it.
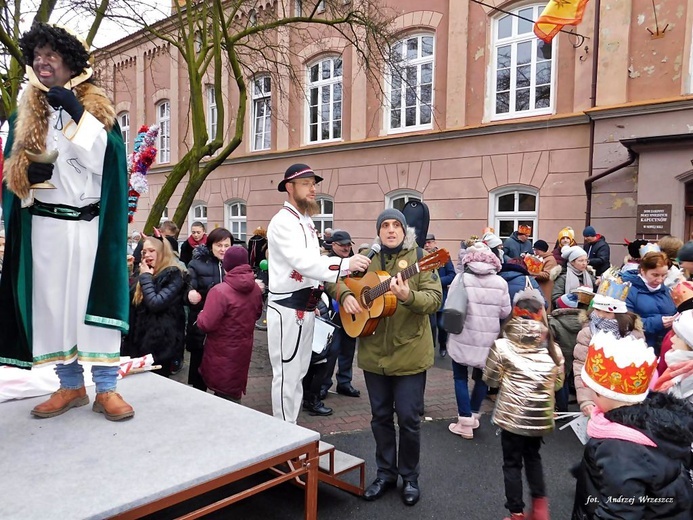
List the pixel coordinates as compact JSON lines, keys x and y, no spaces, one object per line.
{"x":157,"y":317}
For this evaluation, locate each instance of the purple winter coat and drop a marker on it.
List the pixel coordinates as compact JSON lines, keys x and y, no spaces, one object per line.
{"x":228,"y":318}
{"x":488,"y":302}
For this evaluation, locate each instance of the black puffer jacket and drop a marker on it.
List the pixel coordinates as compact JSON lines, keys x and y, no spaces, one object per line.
{"x":622,"y":479}
{"x":157,"y":324}
{"x":205,"y":271}
{"x":599,"y":255}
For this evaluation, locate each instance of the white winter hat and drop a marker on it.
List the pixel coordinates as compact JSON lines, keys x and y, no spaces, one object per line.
{"x":683,"y":327}
{"x":571,"y":253}
{"x":491,"y":240}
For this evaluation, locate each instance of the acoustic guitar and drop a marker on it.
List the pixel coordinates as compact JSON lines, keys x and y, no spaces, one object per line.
{"x":373,"y":293}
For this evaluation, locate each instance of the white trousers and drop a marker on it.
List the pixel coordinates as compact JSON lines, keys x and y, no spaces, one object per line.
{"x":290,"y":344}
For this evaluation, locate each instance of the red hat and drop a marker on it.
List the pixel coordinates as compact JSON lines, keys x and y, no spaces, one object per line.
{"x":234,"y":256}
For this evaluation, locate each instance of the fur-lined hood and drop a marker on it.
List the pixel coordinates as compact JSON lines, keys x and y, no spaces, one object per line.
{"x":665,"y":419}
{"x":409,"y":239}
{"x":31,"y":128}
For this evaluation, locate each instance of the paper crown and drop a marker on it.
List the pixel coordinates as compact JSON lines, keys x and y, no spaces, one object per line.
{"x":648,"y":248}
{"x":611,"y":296}
{"x":533,"y":263}
{"x":619,"y":369}
{"x":681,"y":293}
{"x":524,"y":230}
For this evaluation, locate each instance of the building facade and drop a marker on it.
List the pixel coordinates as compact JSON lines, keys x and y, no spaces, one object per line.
{"x":492,"y":126}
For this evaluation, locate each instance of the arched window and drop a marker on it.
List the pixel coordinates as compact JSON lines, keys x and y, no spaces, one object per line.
{"x":124,"y":122}
{"x":262,"y":113}
{"x":325,"y":217}
{"x":411,"y":84}
{"x":399,"y":198}
{"x":325,"y":100}
{"x":198,"y":213}
{"x":523,"y":66}
{"x":163,"y":119}
{"x":512,"y":206}
{"x":236,"y":219}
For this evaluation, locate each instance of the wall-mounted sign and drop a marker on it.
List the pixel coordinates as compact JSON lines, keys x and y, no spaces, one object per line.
{"x":654,"y":219}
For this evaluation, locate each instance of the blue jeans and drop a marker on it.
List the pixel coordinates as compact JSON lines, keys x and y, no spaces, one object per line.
{"x":465,"y":405}
{"x":72,"y":376}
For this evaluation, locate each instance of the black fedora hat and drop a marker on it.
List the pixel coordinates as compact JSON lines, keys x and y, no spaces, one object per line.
{"x":297,"y":171}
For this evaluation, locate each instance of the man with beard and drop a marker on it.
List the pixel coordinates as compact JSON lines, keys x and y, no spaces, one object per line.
{"x":296,"y":270}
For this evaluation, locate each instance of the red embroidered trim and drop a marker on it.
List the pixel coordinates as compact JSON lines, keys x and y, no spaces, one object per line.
{"x":295,"y":275}
{"x":300,"y":314}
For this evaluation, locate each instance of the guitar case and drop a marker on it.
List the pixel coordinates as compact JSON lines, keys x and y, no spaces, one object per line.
{"x":418,"y":217}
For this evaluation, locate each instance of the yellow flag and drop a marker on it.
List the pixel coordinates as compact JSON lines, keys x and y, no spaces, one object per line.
{"x":555,"y":15}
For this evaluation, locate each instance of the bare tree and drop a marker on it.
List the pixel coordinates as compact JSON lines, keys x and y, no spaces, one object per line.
{"x":240,"y":38}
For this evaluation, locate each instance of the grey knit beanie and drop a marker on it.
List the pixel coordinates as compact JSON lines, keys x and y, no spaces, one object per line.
{"x":389,"y":214}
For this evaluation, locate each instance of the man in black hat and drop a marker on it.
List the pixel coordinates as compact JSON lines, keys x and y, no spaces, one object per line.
{"x":296,"y":271}
{"x":343,"y":346}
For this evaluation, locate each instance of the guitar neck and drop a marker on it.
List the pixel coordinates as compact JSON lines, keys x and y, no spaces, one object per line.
{"x":384,"y":286}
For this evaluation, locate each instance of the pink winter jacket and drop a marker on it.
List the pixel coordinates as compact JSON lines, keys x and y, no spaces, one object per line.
{"x":488,"y":303}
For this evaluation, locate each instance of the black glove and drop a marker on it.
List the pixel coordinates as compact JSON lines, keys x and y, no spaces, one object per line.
{"x":62,"y":97}
{"x":39,"y":172}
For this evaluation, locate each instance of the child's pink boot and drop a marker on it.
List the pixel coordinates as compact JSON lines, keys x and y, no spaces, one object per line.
{"x":464,"y":427}
{"x":516,"y":516}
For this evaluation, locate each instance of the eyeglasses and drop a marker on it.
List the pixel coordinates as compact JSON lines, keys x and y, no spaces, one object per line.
{"x":309,"y":184}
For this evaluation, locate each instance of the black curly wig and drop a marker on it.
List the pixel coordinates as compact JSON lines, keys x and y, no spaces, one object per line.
{"x":74,"y":55}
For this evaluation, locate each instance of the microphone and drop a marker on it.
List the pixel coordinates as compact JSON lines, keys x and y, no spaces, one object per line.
{"x":375,"y":249}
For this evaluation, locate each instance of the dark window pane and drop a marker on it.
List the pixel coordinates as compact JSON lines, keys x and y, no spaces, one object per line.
{"x":425,"y":114}
{"x":426,"y":93}
{"x":337,"y":92}
{"x":427,"y":73}
{"x":412,"y":48}
{"x":411,"y":97}
{"x":396,"y":98}
{"x":505,"y":228}
{"x":337,"y":130}
{"x":257,"y":88}
{"x":325,"y":113}
{"x":395,"y":118}
{"x":506,"y":202}
{"x":397,"y":51}
{"x":268,"y":84}
{"x":412,"y":77}
{"x":503,"y":80}
{"x":427,"y":46}
{"x":326,"y":69}
{"x":543,"y":96}
{"x":313,"y":96}
{"x":505,"y":27}
{"x":410,"y":116}
{"x":337,"y":111}
{"x":325,"y":94}
{"x":242,"y":210}
{"x":524,"y":76}
{"x":522,"y":100}
{"x":525,"y":26}
{"x":325,"y":131}
{"x":337,"y":67}
{"x":399,"y":203}
{"x":314,"y":73}
{"x":396,"y":80}
{"x":543,"y":73}
{"x":524,"y":53}
{"x":313,"y":132}
{"x":313,"y":114}
{"x":502,"y":102}
{"x":503,"y":57}
{"x":527,"y":202}
{"x":543,"y":50}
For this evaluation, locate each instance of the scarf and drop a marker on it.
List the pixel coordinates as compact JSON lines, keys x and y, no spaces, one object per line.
{"x":605,"y":324}
{"x":649,"y":288}
{"x":572,"y":279}
{"x":599,"y":427}
{"x":194,"y":243}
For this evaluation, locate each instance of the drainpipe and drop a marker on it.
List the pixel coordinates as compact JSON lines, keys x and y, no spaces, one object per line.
{"x":593,"y":103}
{"x":632,"y":156}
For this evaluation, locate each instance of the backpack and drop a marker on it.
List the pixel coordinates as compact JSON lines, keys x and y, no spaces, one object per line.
{"x":455,"y":308}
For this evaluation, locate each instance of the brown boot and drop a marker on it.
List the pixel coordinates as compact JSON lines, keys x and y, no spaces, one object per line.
{"x":60,"y":402}
{"x":112,"y":406}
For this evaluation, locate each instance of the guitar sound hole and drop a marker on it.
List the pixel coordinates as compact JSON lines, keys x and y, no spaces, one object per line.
{"x":366,"y":301}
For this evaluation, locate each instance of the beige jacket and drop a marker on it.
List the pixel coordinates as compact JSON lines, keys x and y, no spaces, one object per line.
{"x":528,"y":371}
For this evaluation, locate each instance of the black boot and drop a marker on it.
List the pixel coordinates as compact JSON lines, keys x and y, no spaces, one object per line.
{"x":315,"y":406}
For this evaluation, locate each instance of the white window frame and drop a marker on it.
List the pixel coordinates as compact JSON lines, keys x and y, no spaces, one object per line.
{"x":198,"y":213}
{"x":319,"y":85}
{"x":404,"y":195}
{"x":212,"y":114}
{"x":124,"y":122}
{"x":163,"y":144}
{"x":400,"y":101}
{"x":494,"y":216}
{"x":237,"y":224}
{"x":262,"y":101}
{"x":323,"y":220}
{"x":514,"y":40}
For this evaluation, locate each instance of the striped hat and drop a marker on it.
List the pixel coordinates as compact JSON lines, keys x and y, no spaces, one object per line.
{"x":297,"y":171}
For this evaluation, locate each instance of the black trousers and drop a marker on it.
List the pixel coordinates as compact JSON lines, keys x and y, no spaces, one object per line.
{"x":516,"y":449}
{"x":312,"y":381}
{"x":194,"y":377}
{"x":402,"y":395}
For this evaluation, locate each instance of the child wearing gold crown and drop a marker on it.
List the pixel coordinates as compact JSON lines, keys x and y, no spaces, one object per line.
{"x":607,"y":313}
{"x":528,"y":367}
{"x":637,"y":462}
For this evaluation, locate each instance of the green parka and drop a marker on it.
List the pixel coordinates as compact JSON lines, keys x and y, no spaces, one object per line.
{"x":402,"y":344}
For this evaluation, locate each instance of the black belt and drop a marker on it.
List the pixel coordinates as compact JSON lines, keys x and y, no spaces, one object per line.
{"x":64,"y":212}
{"x":303,"y":300}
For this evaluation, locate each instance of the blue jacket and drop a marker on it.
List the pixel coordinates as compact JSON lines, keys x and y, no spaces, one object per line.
{"x":517,"y":276}
{"x":650,"y":306}
{"x":599,"y":255}
{"x":447,"y":275}
{"x":513,"y":248}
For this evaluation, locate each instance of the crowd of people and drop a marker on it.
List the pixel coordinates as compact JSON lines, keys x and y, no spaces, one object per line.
{"x":539,"y":325}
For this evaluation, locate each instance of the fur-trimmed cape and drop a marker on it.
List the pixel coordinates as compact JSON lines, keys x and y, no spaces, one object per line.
{"x":31,"y":129}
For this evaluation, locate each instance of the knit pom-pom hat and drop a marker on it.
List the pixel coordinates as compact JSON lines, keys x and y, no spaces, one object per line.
{"x":480,"y":252}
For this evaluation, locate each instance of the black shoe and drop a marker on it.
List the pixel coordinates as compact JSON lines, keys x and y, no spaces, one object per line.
{"x":317,"y":408}
{"x":348,"y":390}
{"x":443,"y":352}
{"x":176,"y":366}
{"x":377,"y":489}
{"x":410,"y":492}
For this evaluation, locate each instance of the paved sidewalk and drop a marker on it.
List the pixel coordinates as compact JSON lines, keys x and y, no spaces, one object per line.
{"x":350,"y":414}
